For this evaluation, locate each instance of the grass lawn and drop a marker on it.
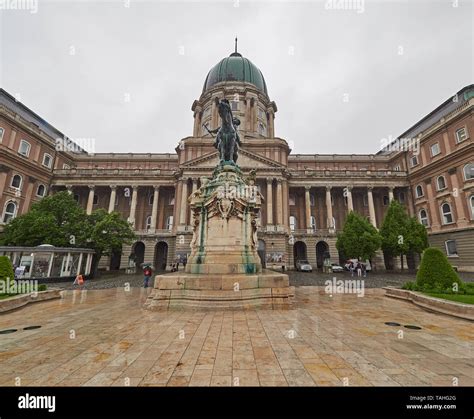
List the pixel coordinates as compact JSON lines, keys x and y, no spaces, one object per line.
{"x":3,"y":296}
{"x":460,"y":298}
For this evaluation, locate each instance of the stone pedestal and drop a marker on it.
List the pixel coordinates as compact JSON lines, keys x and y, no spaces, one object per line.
{"x":223,"y":269}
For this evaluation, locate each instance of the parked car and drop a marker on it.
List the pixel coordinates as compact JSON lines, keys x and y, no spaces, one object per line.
{"x":303,"y":266}
{"x":336,"y":268}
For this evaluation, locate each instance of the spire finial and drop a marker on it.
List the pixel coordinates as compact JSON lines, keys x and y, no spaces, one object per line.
{"x":235,"y":44}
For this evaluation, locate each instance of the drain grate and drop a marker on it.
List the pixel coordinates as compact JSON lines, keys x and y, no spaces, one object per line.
{"x":31,"y":327}
{"x":410,"y":326}
{"x":6,"y":331}
{"x":392,"y":324}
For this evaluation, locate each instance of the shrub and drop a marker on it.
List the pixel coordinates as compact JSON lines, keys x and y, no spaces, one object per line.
{"x":6,"y":274}
{"x":42,"y":287}
{"x":409,"y":285}
{"x":435,"y":272}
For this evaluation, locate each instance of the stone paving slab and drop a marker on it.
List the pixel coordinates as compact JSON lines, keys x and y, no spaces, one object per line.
{"x":106,"y":338}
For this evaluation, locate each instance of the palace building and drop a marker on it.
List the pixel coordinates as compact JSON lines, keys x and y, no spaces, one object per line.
{"x":429,"y":169}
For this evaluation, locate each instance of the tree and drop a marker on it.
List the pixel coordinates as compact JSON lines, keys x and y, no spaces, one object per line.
{"x":7,"y":276}
{"x":435,"y":272}
{"x":402,"y":234}
{"x":359,"y":238}
{"x":58,"y":220}
{"x":107,"y":232}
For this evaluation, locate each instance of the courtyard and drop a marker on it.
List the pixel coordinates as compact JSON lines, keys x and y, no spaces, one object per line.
{"x":103,"y":337}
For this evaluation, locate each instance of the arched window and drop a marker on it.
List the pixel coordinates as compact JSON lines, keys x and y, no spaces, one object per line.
{"x":41,"y":191}
{"x":419,"y":191}
{"x":169,"y":223}
{"x":446,"y":213}
{"x":9,"y":213}
{"x":16,"y":182}
{"x":312,"y":220}
{"x":469,"y":171}
{"x":148,"y":223}
{"x":292,"y":223}
{"x":471,"y":206}
{"x":441,"y":182}
{"x":423,"y":216}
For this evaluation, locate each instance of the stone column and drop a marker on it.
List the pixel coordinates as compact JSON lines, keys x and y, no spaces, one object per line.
{"x":269,"y":201}
{"x":459,"y":199}
{"x":279,"y":203}
{"x":113,"y":198}
{"x":285,"y":203}
{"x":247,"y":114}
{"x":133,"y":205}
{"x":370,"y":199}
{"x":390,"y":193}
{"x":28,"y":195}
{"x":154,"y":209}
{"x":90,"y":200}
{"x":350,"y":203}
{"x":435,"y":216}
{"x":329,"y":207}
{"x":184,"y":202}
{"x":307,"y":201}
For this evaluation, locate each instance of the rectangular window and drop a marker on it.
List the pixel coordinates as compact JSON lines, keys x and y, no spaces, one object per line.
{"x":24,"y":148}
{"x":2,"y":131}
{"x":461,"y":135}
{"x":451,"y":248}
{"x":292,"y":200}
{"x":386,"y":200}
{"x":414,"y":161}
{"x":435,"y":150}
{"x":47,"y":160}
{"x":365,"y":200}
{"x":234,"y":105}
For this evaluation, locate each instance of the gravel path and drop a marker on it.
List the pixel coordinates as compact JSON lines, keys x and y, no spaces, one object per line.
{"x":296,"y":278}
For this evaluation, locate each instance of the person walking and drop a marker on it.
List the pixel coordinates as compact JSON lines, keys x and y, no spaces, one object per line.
{"x":351,"y":267}
{"x":364,"y":269}
{"x":359,"y":269}
{"x":79,"y":281}
{"x":147,"y":275}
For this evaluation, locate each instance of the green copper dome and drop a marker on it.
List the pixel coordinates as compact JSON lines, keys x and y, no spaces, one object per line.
{"x":235,"y":68}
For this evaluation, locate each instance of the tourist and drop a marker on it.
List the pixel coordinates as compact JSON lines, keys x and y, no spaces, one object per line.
{"x":79,"y":281}
{"x":351,"y":267}
{"x":185,"y":261}
{"x":147,"y":275}
{"x":359,"y":269}
{"x":364,"y":269}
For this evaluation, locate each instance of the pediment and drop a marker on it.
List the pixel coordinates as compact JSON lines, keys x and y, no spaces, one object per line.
{"x":246,"y":160}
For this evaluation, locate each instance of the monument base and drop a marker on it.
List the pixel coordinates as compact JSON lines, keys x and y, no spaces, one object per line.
{"x":267,"y":289}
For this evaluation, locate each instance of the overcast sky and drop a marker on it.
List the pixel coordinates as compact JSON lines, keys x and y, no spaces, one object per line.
{"x":343,"y":80}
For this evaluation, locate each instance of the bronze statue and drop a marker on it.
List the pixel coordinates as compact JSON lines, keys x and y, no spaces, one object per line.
{"x":227,"y":139}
